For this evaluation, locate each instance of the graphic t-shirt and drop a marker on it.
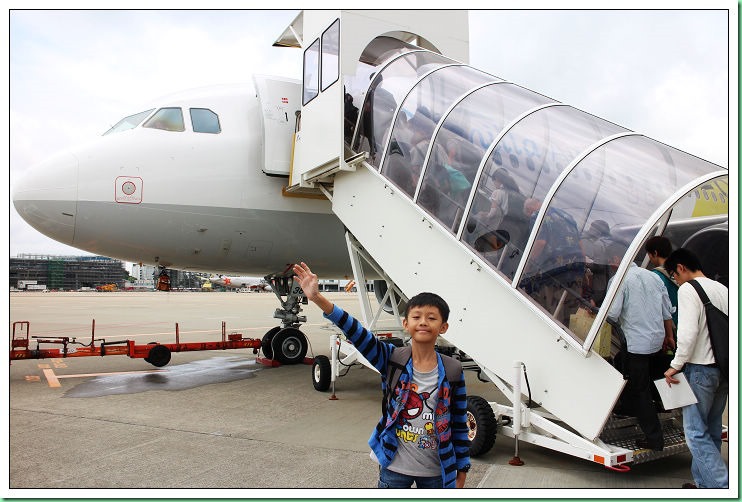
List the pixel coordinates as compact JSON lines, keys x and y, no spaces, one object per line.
{"x":417,"y":443}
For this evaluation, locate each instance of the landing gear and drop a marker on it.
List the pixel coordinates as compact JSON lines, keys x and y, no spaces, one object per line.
{"x":267,"y":342}
{"x":290,"y":346}
{"x":286,"y":343}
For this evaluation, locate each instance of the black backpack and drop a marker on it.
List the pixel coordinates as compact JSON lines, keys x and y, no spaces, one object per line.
{"x":397,"y":362}
{"x":718,"y":325}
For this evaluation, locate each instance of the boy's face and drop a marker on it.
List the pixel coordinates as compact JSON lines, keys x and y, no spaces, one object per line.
{"x":424,"y":323}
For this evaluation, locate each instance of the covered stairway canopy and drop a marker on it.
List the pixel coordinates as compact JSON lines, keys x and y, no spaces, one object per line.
{"x":554,"y":199}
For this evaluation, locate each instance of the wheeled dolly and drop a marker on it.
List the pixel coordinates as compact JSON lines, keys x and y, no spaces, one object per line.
{"x":157,"y":354}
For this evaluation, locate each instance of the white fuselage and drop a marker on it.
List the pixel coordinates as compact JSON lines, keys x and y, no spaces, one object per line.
{"x":183,"y":200}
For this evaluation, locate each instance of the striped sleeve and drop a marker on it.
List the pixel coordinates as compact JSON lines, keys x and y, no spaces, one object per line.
{"x":460,"y":428}
{"x":375,"y":351}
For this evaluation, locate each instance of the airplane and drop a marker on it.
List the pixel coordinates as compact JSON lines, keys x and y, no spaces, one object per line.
{"x":381,"y":164}
{"x":239,"y":283}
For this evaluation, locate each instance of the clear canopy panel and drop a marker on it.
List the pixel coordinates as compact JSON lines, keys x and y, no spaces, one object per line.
{"x":422,"y":110}
{"x":377,"y":54}
{"x":464,"y":138}
{"x":522,"y":168}
{"x":596,"y":213}
{"x":387,"y":89}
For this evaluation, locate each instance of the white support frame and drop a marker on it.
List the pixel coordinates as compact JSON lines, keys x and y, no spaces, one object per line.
{"x":541,"y":428}
{"x":541,"y":431}
{"x":338,"y":347}
{"x":343,"y":352}
{"x":393,"y":293}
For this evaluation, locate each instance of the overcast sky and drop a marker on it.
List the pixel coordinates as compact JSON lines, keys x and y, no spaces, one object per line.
{"x":74,"y":73}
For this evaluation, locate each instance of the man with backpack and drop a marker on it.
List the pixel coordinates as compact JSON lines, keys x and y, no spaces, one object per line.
{"x":422,"y":436}
{"x":703,"y":366}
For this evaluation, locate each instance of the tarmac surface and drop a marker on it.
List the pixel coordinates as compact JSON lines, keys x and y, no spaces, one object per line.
{"x":216,"y":424}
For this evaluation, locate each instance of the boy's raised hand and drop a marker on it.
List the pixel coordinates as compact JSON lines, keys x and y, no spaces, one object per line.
{"x":310,"y":285}
{"x":308,"y":281}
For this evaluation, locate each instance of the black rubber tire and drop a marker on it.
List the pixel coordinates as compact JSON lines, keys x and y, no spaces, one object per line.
{"x":147,"y":358}
{"x":321,"y":373}
{"x":290,"y":346}
{"x":482,"y":425}
{"x":159,"y":356}
{"x":265,"y":343}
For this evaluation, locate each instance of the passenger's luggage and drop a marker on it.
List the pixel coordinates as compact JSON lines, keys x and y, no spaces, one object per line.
{"x":718,"y":325}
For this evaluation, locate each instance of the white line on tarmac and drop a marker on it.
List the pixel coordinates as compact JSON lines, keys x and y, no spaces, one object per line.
{"x":53,"y":379}
{"x":83,"y":375}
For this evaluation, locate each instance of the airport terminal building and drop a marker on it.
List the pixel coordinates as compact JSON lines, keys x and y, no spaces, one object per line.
{"x":65,"y":272}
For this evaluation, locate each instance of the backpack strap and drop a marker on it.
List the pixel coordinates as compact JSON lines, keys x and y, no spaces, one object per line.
{"x":701,"y":293}
{"x":453,"y":370}
{"x":397,"y":362}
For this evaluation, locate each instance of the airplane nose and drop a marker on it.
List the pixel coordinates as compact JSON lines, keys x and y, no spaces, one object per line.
{"x":46,"y":197}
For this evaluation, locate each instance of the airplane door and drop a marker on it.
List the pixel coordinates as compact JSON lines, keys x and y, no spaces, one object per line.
{"x":279,"y":100}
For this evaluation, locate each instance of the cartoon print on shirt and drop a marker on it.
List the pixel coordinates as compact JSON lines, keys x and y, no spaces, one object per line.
{"x":415,"y":407}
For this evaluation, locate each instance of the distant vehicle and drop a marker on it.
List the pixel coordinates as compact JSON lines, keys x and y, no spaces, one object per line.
{"x":107,"y":287}
{"x":242,"y":284}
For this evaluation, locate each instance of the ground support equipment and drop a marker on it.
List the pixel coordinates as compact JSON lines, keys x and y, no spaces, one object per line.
{"x":155,"y":353}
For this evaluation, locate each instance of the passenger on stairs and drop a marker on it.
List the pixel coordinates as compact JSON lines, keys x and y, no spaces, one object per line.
{"x":702,"y":422}
{"x":643,"y":309}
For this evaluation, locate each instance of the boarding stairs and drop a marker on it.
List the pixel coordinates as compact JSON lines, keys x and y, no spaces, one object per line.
{"x":572,"y":391}
{"x":427,"y":129}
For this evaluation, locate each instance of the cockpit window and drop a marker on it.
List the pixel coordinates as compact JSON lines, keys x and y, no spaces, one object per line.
{"x":129,"y":122}
{"x":167,"y":119}
{"x":204,"y":120}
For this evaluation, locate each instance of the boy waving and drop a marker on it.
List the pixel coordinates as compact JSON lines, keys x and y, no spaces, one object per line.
{"x":422,"y":436}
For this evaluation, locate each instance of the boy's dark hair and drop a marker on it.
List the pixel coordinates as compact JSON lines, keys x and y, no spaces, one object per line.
{"x":428,"y":299}
{"x":682,"y":256}
{"x":659,"y":245}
